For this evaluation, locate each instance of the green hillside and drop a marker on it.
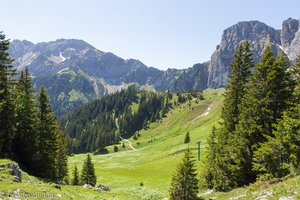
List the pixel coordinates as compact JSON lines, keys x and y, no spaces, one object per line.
{"x":158,"y":150}
{"x":143,"y":169}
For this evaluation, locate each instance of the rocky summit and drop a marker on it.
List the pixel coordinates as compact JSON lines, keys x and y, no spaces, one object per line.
{"x":74,"y":72}
{"x":260,"y":35}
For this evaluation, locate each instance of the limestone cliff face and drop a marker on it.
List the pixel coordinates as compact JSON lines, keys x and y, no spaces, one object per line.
{"x":260,"y":35}
{"x":290,"y":38}
{"x":193,"y":78}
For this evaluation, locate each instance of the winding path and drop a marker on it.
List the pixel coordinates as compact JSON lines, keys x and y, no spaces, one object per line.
{"x":206,"y":112}
{"x":129,"y":143}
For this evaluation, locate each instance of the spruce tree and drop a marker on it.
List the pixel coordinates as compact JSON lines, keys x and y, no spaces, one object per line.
{"x":88,"y":172}
{"x":75,"y":179}
{"x":280,"y":84}
{"x":48,"y":138}
{"x":116,"y":149}
{"x":256,"y":114}
{"x":210,"y":163}
{"x":224,"y":170}
{"x":280,"y":155}
{"x":26,"y":122}
{"x":62,"y":159}
{"x":236,"y":88}
{"x":288,"y":133}
{"x":187,"y":138}
{"x":267,"y":96}
{"x":225,"y":164}
{"x":7,"y":104}
{"x":269,"y":160}
{"x":184,"y":185}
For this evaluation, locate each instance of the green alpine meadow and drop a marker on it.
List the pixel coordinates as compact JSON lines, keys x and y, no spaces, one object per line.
{"x":77,"y":122}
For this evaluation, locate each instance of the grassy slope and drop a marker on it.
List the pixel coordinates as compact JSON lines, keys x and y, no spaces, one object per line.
{"x":153,"y":163}
{"x":34,"y":188}
{"x":158,"y":152}
{"x":289,"y":188}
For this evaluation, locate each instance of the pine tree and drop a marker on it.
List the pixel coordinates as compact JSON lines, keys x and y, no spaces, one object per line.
{"x":269,"y":159}
{"x":184,"y":185}
{"x":26,"y":122}
{"x":116,"y":149}
{"x":75,"y":179}
{"x":225,"y":164}
{"x":280,"y":155}
{"x":48,"y":138}
{"x":267,"y":96}
{"x":7,"y":105}
{"x":255,"y":102}
{"x":187,"y":138}
{"x":62,"y":159}
{"x":210,"y":163}
{"x":88,"y":172}
{"x":288,"y":134}
{"x":238,"y":77}
{"x":166,"y":104}
{"x":280,"y":85}
{"x":224,"y":170}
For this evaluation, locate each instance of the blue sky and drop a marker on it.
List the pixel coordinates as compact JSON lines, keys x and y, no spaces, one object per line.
{"x":160,"y":33}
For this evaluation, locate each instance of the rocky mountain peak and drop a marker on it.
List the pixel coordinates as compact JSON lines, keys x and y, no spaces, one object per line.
{"x":251,"y":30}
{"x":290,"y":38}
{"x":289,"y":29}
{"x":19,"y":47}
{"x":260,"y":35}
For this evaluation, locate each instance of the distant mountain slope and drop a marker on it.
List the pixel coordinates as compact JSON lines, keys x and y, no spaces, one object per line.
{"x":49,"y":58}
{"x":75,"y":72}
{"x":70,"y":63}
{"x":194,"y":78}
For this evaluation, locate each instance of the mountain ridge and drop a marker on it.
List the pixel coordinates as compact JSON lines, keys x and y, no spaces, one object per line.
{"x":73,"y":62}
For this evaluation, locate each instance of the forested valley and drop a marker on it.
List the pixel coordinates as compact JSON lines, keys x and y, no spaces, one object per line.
{"x":120,"y":115}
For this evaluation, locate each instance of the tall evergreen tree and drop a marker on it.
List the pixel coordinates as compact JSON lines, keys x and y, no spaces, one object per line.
{"x":88,"y":172}
{"x":7,"y":105}
{"x":62,"y":159}
{"x":236,"y":88}
{"x":211,"y":159}
{"x":75,"y":179}
{"x":28,"y":133}
{"x":252,"y":105}
{"x":225,"y":145}
{"x":184,"y":185}
{"x":48,"y":138}
{"x":26,"y":122}
{"x":267,"y":96}
{"x":226,"y":164}
{"x":280,"y":155}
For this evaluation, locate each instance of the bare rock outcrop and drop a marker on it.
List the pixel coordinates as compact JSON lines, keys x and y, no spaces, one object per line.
{"x":15,"y":170}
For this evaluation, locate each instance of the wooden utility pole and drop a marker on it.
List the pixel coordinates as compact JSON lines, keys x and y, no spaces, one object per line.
{"x":198,"y":149}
